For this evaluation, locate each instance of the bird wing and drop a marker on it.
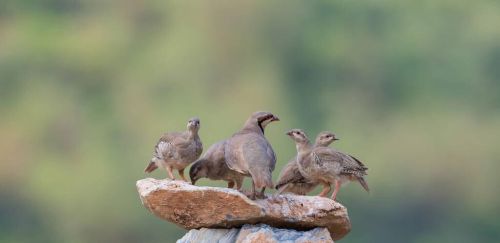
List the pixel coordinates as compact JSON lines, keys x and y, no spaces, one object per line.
{"x":360,"y":164}
{"x":260,"y":159}
{"x":250,"y":153}
{"x":258,"y":151}
{"x":352,"y":165}
{"x":164,"y":150}
{"x":179,"y":139}
{"x":168,"y":144}
{"x":234,"y":155}
{"x":325,"y":155}
{"x":290,"y":174}
{"x":348,"y":163}
{"x":271,"y":155}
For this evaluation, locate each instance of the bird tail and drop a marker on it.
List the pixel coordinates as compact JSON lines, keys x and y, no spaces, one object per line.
{"x":151,"y":167}
{"x":363,"y":183}
{"x":278,"y":186}
{"x":262,"y":179}
{"x":281,"y":188}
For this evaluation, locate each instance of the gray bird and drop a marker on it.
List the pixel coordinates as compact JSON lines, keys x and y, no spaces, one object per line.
{"x":326,"y":165}
{"x":291,"y":180}
{"x":212,"y":165}
{"x":249,"y":153}
{"x":176,"y":150}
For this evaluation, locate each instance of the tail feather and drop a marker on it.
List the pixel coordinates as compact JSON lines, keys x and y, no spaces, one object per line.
{"x":262,"y":180}
{"x":363,"y":183}
{"x":278,"y":186}
{"x":151,"y":167}
{"x":281,"y":189}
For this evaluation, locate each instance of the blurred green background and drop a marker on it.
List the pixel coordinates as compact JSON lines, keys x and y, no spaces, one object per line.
{"x":411,"y":87}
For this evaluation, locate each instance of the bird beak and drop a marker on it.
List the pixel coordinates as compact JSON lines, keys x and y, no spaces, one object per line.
{"x":335,"y":139}
{"x":275,"y":118}
{"x":289,"y":133}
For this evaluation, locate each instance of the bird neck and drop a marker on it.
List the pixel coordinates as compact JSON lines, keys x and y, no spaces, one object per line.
{"x":303,"y":147}
{"x":321,"y":144}
{"x":252,"y":126}
{"x":193,"y":133}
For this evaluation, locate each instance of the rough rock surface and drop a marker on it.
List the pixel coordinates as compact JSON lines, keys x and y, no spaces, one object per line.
{"x":194,"y":207}
{"x":256,"y":234}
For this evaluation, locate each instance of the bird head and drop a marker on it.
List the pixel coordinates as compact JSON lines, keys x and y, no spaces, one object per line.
{"x":298,"y":136}
{"x":325,"y":138}
{"x":193,"y":124}
{"x":261,"y":119}
{"x":197,"y":171}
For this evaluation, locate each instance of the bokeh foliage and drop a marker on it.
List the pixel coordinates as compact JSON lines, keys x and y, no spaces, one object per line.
{"x":410,"y":87}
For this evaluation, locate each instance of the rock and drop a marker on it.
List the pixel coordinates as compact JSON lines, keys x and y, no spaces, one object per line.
{"x":194,"y":207}
{"x":265,"y":233}
{"x":256,"y":234}
{"x":205,"y":235}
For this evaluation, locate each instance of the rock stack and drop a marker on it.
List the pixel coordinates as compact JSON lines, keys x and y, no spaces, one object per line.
{"x":214,"y":214}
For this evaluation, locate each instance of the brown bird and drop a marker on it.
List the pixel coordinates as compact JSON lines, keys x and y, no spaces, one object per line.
{"x":249,"y":153}
{"x":176,"y":150}
{"x":326,"y":165}
{"x":212,"y":165}
{"x":291,"y":180}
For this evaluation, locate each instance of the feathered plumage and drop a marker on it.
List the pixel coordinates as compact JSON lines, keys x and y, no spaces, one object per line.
{"x":291,"y":180}
{"x":248,"y":152}
{"x":176,"y":150}
{"x":326,"y":165}
{"x":212,"y":165}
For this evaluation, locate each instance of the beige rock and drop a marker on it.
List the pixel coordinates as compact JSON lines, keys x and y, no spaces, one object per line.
{"x":193,"y":207}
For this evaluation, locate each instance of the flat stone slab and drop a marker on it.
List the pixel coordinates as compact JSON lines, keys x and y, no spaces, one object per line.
{"x":195,"y":207}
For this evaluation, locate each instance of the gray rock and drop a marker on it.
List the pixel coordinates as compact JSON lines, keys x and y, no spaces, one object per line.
{"x":260,"y":233}
{"x":205,"y":235}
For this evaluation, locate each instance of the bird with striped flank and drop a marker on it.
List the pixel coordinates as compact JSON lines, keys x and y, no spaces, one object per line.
{"x":326,"y":165}
{"x":176,"y":150}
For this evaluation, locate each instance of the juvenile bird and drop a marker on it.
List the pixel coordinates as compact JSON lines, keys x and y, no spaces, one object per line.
{"x":249,"y":153}
{"x":212,"y":165}
{"x":291,"y":180}
{"x":326,"y":165}
{"x":176,"y":150}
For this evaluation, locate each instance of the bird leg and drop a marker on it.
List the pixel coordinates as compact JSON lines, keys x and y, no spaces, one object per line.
{"x":170,"y":174}
{"x":326,"y":189}
{"x":253,"y":196}
{"x":181,"y":173}
{"x":230,"y":184}
{"x":261,"y":194}
{"x":336,"y":190}
{"x":239,"y":183}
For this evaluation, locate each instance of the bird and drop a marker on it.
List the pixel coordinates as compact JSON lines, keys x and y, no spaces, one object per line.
{"x":176,"y":150}
{"x":249,"y":153}
{"x":291,"y":180}
{"x":326,"y":165}
{"x":212,"y":165}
